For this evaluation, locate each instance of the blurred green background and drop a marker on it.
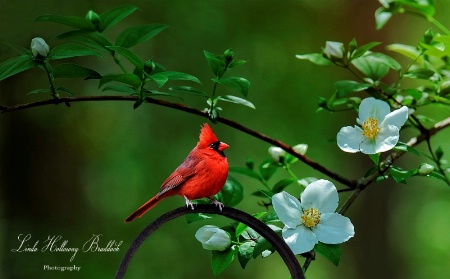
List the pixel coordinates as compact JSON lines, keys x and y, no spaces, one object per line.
{"x":80,"y":171}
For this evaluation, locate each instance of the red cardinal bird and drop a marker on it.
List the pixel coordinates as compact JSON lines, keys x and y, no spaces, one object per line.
{"x":201,"y":175}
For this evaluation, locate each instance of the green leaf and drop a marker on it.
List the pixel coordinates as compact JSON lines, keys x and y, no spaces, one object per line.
{"x":91,"y":39}
{"x":245,"y":253}
{"x":270,"y":218}
{"x":426,"y":7}
{"x":71,"y":50}
{"x":39,"y":91}
{"x":65,"y":90}
{"x":113,"y":16}
{"x":405,"y":50}
{"x":420,"y":73}
{"x":360,"y":51}
{"x":138,"y":103}
{"x":267,"y":169}
{"x":162,"y":77}
{"x":193,"y":217}
{"x":382,"y":16}
{"x":280,"y":185}
{"x":189,"y":90}
{"x":263,"y":194}
{"x":371,"y":67}
{"x":261,"y":245}
{"x":240,"y":228}
{"x":139,"y":34}
{"x":19,"y":49}
{"x":130,"y":79}
{"x":237,"y":100}
{"x":400,"y":175}
{"x":375,"y":158}
{"x":236,"y":63}
{"x":216,"y":63}
{"x":239,"y":84}
{"x":439,"y":153}
{"x":129,"y":55}
{"x":330,"y":251}
{"x":120,"y":88}
{"x":245,"y":171}
{"x":69,"y":70}
{"x":232,"y":192}
{"x":387,"y":60}
{"x":71,"y":21}
{"x":315,"y":58}
{"x":404,"y":147}
{"x":16,"y":65}
{"x":439,"y":176}
{"x":222,"y":259}
{"x":345,"y":87}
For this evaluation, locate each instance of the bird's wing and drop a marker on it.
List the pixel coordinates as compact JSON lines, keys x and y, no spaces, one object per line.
{"x":178,"y":177}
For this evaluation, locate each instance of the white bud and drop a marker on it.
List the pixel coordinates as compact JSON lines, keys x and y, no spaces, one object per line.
{"x":425,"y":169}
{"x":213,"y":238}
{"x":39,"y":47}
{"x":266,"y":253}
{"x":334,"y":50}
{"x":277,"y":153}
{"x":300,"y":148}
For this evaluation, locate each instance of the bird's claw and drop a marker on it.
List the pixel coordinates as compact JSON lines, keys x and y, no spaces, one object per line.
{"x":189,"y":203}
{"x":218,"y":204}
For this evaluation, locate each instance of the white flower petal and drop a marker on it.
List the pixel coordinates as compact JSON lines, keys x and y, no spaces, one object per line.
{"x":334,"y":228}
{"x":371,"y":107}
{"x":368,"y":146}
{"x":387,"y":138}
{"x":300,"y":239}
{"x":288,"y":209}
{"x":397,"y":118}
{"x":349,"y":139}
{"x":321,"y":195}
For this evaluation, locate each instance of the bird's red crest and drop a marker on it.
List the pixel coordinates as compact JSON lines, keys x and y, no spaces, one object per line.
{"x":207,"y":137}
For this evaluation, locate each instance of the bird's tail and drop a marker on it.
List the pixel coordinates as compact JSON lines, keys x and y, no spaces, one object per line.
{"x":144,"y":208}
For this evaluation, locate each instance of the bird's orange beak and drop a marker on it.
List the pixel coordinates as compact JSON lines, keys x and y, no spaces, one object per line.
{"x":223,"y":146}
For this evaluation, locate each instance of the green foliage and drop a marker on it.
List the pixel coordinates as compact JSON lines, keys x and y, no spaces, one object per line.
{"x":139,"y":34}
{"x":219,"y":65}
{"x":232,"y":192}
{"x":330,"y":251}
{"x":222,"y":259}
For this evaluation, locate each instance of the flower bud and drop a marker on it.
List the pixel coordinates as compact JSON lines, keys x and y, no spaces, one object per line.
{"x":277,"y":154}
{"x":149,"y":66}
{"x":94,"y":18}
{"x":425,"y":169}
{"x":334,"y":51}
{"x":213,"y":238}
{"x":39,"y":47}
{"x":229,"y":56}
{"x":300,"y":148}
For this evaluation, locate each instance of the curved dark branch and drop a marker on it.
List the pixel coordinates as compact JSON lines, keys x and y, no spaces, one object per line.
{"x":278,"y":243}
{"x":345,"y":181}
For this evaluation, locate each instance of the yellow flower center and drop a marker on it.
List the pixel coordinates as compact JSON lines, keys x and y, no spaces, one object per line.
{"x":310,"y":217}
{"x":370,"y":128}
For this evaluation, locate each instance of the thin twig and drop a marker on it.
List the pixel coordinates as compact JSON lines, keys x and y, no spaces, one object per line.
{"x":315,"y":165}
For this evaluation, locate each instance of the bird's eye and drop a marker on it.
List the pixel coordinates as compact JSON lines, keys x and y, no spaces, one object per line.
{"x":215,"y":145}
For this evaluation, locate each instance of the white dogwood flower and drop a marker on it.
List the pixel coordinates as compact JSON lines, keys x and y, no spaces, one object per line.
{"x":378,"y":131}
{"x":313,"y":218}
